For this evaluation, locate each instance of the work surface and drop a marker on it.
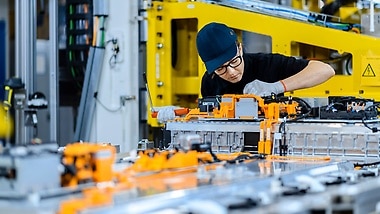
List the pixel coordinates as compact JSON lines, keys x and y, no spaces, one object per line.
{"x":277,"y":184}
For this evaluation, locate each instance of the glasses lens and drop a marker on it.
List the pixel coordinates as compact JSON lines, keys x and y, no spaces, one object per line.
{"x":235,"y":62}
{"x":221,"y":70}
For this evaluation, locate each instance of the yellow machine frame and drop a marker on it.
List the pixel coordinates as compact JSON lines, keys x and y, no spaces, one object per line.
{"x":174,"y":70}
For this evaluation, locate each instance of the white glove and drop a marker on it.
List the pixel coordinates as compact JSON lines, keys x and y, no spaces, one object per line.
{"x":263,"y":89}
{"x":165,"y":113}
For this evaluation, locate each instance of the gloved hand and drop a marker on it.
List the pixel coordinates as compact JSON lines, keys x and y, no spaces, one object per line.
{"x":165,"y":113}
{"x":263,"y":89}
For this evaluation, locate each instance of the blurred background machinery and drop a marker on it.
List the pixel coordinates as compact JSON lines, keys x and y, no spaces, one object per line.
{"x":47,"y":46}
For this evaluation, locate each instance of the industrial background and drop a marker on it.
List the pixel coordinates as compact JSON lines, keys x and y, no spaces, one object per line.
{"x":82,"y":82}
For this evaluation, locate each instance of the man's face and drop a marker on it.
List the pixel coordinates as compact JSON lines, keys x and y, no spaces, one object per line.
{"x":232,"y":71}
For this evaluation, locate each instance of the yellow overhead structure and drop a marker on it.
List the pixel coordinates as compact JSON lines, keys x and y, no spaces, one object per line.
{"x":174,"y":70}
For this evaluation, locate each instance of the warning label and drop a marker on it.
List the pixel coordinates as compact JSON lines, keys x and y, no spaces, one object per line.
{"x":368,"y":71}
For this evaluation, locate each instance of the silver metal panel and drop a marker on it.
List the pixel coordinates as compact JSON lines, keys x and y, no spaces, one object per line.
{"x":246,"y":107}
{"x":349,"y":141}
{"x":25,"y":43}
{"x":214,"y":125}
{"x":66,"y":125}
{"x":43,"y":77}
{"x":53,"y":71}
{"x":88,"y":100}
{"x":222,"y":142}
{"x":120,"y":81}
{"x":225,"y":136}
{"x":29,"y":175}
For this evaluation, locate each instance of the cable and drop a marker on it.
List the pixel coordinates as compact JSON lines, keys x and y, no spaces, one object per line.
{"x":104,"y":106}
{"x":202,"y":147}
{"x":304,"y":104}
{"x":115,"y":51}
{"x":244,"y":157}
{"x":283,"y":146}
{"x":333,"y":7}
{"x":372,"y":106}
{"x":373,"y":129}
{"x":366,"y":164}
{"x":368,"y":108}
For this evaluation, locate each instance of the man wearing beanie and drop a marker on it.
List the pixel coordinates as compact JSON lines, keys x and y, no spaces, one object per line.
{"x":231,"y":71}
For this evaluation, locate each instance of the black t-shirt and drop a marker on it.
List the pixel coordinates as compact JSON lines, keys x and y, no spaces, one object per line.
{"x":265,"y":67}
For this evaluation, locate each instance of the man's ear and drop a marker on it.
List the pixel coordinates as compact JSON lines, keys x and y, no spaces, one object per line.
{"x":240,"y":47}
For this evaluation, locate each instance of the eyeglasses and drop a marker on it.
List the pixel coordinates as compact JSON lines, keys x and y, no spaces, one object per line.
{"x":235,"y":62}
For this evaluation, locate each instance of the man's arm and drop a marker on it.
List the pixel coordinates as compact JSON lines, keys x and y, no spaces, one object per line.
{"x":315,"y":73}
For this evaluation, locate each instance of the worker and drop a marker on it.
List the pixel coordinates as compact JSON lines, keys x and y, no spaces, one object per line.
{"x":231,"y":71}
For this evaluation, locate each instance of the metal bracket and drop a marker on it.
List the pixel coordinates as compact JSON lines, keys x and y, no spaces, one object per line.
{"x":126,"y":98}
